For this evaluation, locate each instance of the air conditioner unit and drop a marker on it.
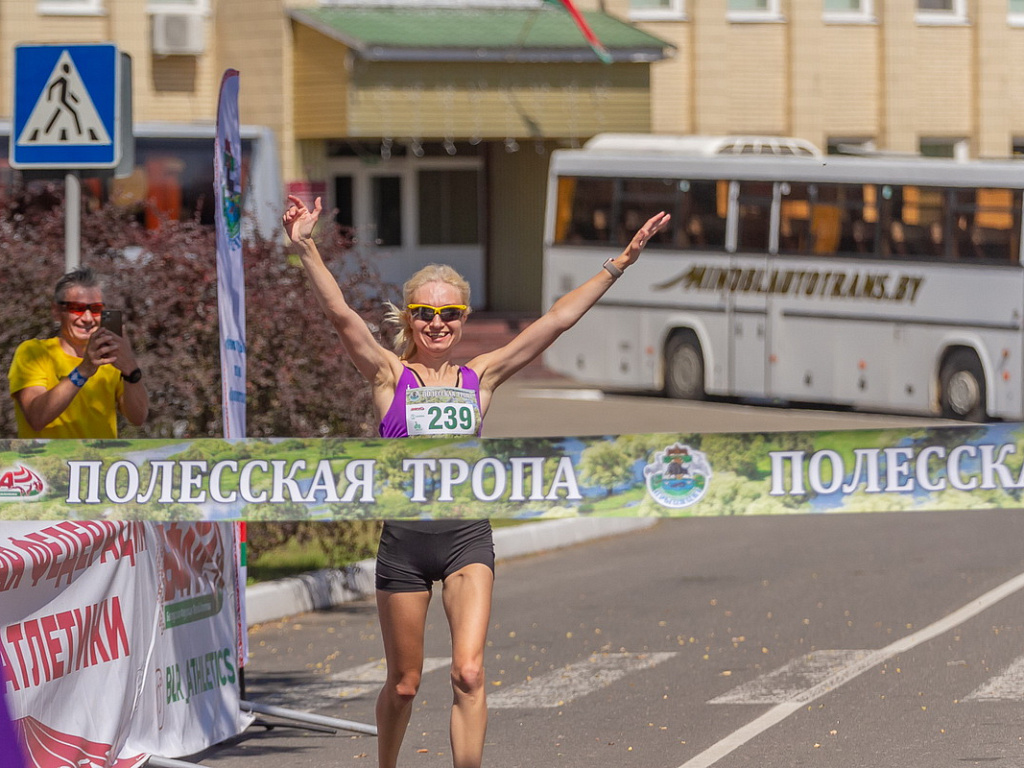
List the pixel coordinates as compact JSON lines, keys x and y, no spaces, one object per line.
{"x":177,"y":34}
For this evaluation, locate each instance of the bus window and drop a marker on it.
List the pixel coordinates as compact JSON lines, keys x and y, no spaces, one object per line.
{"x":986,"y":224}
{"x":755,"y":202}
{"x":843,"y":219}
{"x":640,"y":199}
{"x":807,"y":223}
{"x":701,"y":218}
{"x":795,"y":219}
{"x":923,"y":219}
{"x":587,"y":209}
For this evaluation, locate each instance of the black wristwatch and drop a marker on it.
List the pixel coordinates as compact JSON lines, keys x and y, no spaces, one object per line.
{"x":133,"y":377}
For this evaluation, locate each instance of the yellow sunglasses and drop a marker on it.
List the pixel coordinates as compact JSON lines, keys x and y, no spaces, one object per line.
{"x":449,"y":312}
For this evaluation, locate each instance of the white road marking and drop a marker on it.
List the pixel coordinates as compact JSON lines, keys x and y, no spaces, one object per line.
{"x":593,"y":395}
{"x":780,"y":712}
{"x":561,"y":686}
{"x":790,"y":680}
{"x":1006,"y":686}
{"x":346,"y":684}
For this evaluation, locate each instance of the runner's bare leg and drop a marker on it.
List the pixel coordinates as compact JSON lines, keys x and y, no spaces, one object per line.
{"x":467,"y":603}
{"x":402,"y":617}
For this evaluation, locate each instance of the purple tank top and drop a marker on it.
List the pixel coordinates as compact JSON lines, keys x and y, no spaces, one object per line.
{"x":394,"y":423}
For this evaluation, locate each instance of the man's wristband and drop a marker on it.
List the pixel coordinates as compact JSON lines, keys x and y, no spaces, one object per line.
{"x":77,"y":378}
{"x":613,"y":270}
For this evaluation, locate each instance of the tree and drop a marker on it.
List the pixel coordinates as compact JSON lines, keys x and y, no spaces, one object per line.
{"x":607,"y":465}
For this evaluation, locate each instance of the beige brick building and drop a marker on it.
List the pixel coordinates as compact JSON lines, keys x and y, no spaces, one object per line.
{"x":906,"y":76}
{"x":428,"y":124}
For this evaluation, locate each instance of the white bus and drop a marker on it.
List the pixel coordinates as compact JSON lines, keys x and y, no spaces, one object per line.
{"x":891,"y":284}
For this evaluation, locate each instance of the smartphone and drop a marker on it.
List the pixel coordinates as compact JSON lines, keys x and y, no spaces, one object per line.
{"x":111,"y":320}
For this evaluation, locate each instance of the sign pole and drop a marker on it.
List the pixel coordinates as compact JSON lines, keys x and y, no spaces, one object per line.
{"x":72,"y":220}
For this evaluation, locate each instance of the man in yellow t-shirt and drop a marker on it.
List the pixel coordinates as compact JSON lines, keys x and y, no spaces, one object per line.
{"x":71,"y":386}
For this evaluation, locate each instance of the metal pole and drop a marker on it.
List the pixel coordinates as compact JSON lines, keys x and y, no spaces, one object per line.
{"x":292,"y":714}
{"x":72,"y":221}
{"x":166,"y":762}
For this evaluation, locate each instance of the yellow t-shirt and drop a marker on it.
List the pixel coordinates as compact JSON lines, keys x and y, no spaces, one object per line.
{"x":93,"y":412}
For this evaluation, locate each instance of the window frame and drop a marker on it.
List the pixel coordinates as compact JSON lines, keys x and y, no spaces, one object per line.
{"x":184,"y":7}
{"x":865,"y":15}
{"x":960,"y":147}
{"x":1015,"y":18}
{"x":771,"y":14}
{"x":674,"y":11}
{"x":936,"y":18}
{"x":70,"y":8}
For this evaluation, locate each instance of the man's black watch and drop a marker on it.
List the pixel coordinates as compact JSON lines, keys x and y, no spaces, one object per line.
{"x":134,"y":377}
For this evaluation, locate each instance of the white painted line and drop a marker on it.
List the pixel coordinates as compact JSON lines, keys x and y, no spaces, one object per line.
{"x":346,"y":684}
{"x":561,"y":686}
{"x":593,"y":395}
{"x":788,"y":681}
{"x":1006,"y":686}
{"x":780,"y":712}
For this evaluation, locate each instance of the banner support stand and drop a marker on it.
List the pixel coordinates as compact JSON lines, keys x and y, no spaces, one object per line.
{"x":307,"y":717}
{"x":271,"y":725}
{"x":166,"y":762}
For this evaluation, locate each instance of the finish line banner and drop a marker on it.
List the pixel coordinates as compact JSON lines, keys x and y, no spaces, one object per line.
{"x":644,"y":475}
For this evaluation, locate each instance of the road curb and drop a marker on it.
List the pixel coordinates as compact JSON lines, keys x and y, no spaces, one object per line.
{"x":329,"y":587}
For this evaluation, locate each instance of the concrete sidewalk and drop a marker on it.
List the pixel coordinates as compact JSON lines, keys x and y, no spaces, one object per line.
{"x":322,"y":589}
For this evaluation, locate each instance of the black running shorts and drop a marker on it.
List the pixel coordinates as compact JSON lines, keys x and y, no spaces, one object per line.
{"x":412,"y":556}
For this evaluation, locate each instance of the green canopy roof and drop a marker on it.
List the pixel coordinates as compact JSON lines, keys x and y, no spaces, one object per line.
{"x":542,"y":33}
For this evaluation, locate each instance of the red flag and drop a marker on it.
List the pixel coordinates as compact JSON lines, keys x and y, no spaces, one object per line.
{"x":588,"y":33}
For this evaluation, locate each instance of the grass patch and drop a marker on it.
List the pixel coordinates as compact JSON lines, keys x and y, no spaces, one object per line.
{"x":288,"y":559}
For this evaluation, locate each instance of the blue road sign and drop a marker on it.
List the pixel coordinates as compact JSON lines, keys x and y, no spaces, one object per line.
{"x":67,"y":111}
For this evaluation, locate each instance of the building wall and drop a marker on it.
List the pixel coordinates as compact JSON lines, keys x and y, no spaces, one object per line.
{"x":320,"y":85}
{"x":180,"y":89}
{"x":491,"y":101}
{"x":894,"y":80}
{"x":259,"y":47}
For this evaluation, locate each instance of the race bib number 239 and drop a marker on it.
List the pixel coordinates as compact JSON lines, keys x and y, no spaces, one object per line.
{"x":441,"y":411}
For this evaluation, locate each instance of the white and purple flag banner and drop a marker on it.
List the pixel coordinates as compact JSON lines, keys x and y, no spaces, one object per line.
{"x":230,"y":275}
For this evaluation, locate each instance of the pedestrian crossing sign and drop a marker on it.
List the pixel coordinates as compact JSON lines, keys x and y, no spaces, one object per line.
{"x":67,"y":110}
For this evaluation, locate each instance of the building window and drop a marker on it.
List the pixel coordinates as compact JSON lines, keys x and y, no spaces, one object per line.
{"x":941,"y":12}
{"x":657,"y":10}
{"x":754,"y":10}
{"x":386,"y":209}
{"x":957,"y":149}
{"x":70,"y":7}
{"x":1015,"y":13}
{"x":178,"y":6}
{"x":849,"y":11}
{"x":449,"y":203}
{"x":851,"y":145}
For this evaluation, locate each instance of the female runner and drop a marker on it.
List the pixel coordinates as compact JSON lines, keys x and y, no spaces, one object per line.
{"x":458,"y":553}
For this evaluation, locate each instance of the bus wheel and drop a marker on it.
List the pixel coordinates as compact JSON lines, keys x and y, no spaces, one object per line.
{"x":963,"y":387}
{"x":684,"y":367}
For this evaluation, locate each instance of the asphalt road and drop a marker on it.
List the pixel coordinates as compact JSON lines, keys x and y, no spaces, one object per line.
{"x":559,"y":407}
{"x":613,"y":653}
{"x":846,"y":641}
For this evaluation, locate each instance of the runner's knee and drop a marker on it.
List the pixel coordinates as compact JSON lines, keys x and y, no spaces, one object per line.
{"x":407,"y":685}
{"x":468,"y":677}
